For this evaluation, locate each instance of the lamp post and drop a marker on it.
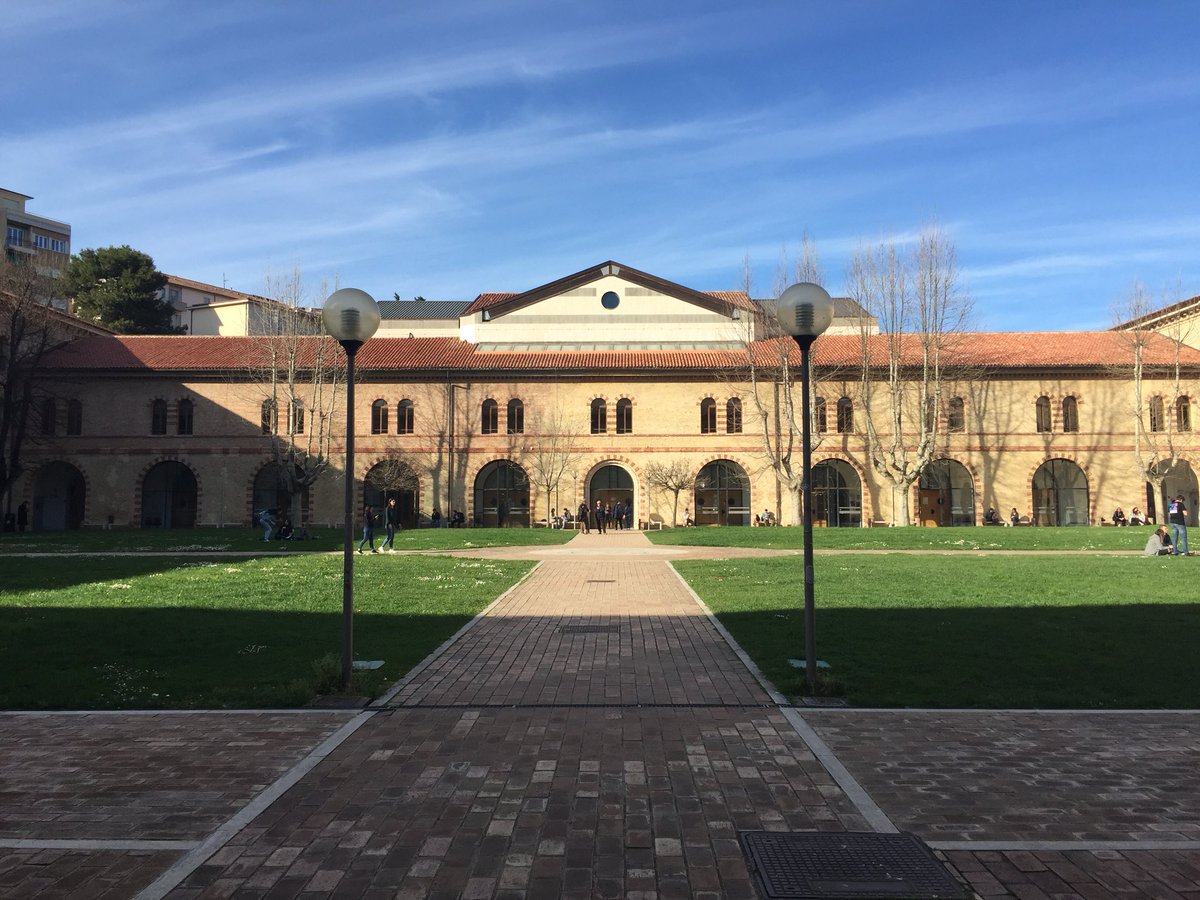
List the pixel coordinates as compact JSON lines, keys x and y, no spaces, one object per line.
{"x":805,"y":311}
{"x":350,"y":317}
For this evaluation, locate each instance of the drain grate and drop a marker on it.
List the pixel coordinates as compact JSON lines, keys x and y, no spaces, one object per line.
{"x":601,"y":581}
{"x":589,"y":629}
{"x":800,"y":866}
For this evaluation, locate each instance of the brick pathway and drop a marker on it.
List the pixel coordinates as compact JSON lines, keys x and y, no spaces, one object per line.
{"x":592,"y":736}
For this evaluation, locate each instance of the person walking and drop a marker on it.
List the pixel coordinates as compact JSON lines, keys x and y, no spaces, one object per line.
{"x":1177,"y":513}
{"x":391,"y":521}
{"x":368,"y":526}
{"x":583,"y":517}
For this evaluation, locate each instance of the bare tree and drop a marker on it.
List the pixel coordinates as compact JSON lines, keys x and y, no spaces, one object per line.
{"x":921,"y":310}
{"x":674,"y":477}
{"x":1156,"y":444}
{"x":27,"y":335}
{"x":297,"y":373}
{"x":552,"y":452}
{"x":771,"y":379}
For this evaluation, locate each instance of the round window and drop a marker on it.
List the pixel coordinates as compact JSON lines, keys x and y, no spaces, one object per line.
{"x":610,"y":300}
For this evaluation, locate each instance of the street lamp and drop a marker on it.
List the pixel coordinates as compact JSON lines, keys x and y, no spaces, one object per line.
{"x":350,"y":317}
{"x":805,"y":311}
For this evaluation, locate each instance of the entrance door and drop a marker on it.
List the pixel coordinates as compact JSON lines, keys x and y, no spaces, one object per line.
{"x":930,"y":508}
{"x":611,"y":484}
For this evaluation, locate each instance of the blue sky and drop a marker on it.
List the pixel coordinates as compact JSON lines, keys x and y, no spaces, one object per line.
{"x":452,"y":148}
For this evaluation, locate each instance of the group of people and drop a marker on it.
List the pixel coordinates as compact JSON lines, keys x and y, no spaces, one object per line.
{"x":605,"y":516}
{"x":766,"y":518}
{"x":1171,"y":539}
{"x":277,"y":526}
{"x":1135,"y":517}
{"x":391,"y":524}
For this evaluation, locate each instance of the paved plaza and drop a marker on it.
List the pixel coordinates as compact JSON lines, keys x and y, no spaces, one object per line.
{"x":594,"y":733}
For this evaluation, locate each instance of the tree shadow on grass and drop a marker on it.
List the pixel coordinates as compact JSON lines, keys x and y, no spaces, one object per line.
{"x":181,"y":657}
{"x":1137,"y":656}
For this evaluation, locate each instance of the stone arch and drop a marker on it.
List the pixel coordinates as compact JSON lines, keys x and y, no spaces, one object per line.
{"x":501,"y":489}
{"x":168,"y":494}
{"x":261,"y":495}
{"x":868,"y":508}
{"x":947,"y":500}
{"x":1056,"y":501}
{"x":60,"y":496}
{"x":726,"y":499}
{"x":611,"y":487}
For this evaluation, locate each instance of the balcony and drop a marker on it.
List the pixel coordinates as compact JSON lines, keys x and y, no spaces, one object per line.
{"x":20,"y":243}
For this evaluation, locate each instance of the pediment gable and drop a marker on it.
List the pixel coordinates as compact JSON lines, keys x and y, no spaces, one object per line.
{"x":632,"y":287}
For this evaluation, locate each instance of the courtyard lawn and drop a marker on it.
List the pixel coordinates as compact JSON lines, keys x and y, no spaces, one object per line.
{"x":971,"y":631}
{"x":912,"y":538}
{"x":324,"y":540}
{"x":155,"y":632}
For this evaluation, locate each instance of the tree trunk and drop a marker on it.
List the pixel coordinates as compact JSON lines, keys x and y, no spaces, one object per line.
{"x":900,"y":517}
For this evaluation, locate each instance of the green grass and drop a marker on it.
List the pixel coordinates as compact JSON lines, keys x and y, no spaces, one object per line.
{"x":151,"y":632}
{"x":990,"y":632}
{"x":912,"y":538}
{"x":325,"y":540}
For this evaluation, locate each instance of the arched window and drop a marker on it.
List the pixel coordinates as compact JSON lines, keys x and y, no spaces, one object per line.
{"x":845,"y":416}
{"x":733,"y":416}
{"x":404,"y":417}
{"x":297,"y":413}
{"x":74,"y":417}
{"x":1043,"y":414}
{"x":49,"y":416}
{"x":1183,"y":414}
{"x":489,"y":421}
{"x":516,"y":417}
{"x":158,"y":417}
{"x":1070,"y":415}
{"x":708,"y":416}
{"x":1157,"y":423}
{"x":599,"y":416}
{"x":183,"y":421}
{"x":956,"y":420}
{"x":379,"y":417}
{"x":820,"y":419}
{"x":270,"y":417}
{"x":624,"y":416}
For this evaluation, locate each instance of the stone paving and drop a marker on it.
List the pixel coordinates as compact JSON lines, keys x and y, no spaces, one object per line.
{"x":592,"y":736}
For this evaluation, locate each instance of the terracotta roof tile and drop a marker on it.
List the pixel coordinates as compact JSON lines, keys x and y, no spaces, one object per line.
{"x":985,"y":349}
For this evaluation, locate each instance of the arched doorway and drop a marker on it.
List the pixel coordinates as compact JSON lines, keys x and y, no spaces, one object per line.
{"x":722,"y":494}
{"x":270,"y":492}
{"x":945,"y":494}
{"x":1060,"y":494}
{"x":58,"y":497}
{"x":1180,"y":480}
{"x":837,"y":494}
{"x":169,"y":496}
{"x":611,"y":483}
{"x":502,"y":495}
{"x":394,"y":478}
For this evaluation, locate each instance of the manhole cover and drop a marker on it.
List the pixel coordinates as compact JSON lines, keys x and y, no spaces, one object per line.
{"x":795,"y":866}
{"x":590,"y":629}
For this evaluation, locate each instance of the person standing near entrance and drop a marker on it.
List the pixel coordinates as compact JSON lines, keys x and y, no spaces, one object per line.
{"x":1177,"y":513}
{"x":619,"y":515}
{"x":599,"y":513}
{"x":391,"y":521}
{"x":368,"y":525}
{"x":23,"y":517}
{"x":583,"y":517}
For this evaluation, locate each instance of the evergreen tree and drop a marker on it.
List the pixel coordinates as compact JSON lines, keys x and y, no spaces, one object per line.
{"x":119,"y":287}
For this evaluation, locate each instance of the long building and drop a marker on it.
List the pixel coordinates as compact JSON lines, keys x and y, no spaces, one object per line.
{"x":587,"y":388}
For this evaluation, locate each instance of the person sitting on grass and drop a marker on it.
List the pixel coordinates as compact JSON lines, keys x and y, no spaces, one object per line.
{"x":991,"y":517}
{"x":285,"y":530}
{"x":1119,"y":517}
{"x":1136,"y":517}
{"x":1159,"y":543}
{"x":1014,"y":518}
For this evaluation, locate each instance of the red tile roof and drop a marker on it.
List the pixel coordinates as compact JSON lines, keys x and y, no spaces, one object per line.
{"x":1089,"y":349}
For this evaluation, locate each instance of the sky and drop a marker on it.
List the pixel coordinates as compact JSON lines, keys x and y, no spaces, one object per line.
{"x":450,"y":149}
